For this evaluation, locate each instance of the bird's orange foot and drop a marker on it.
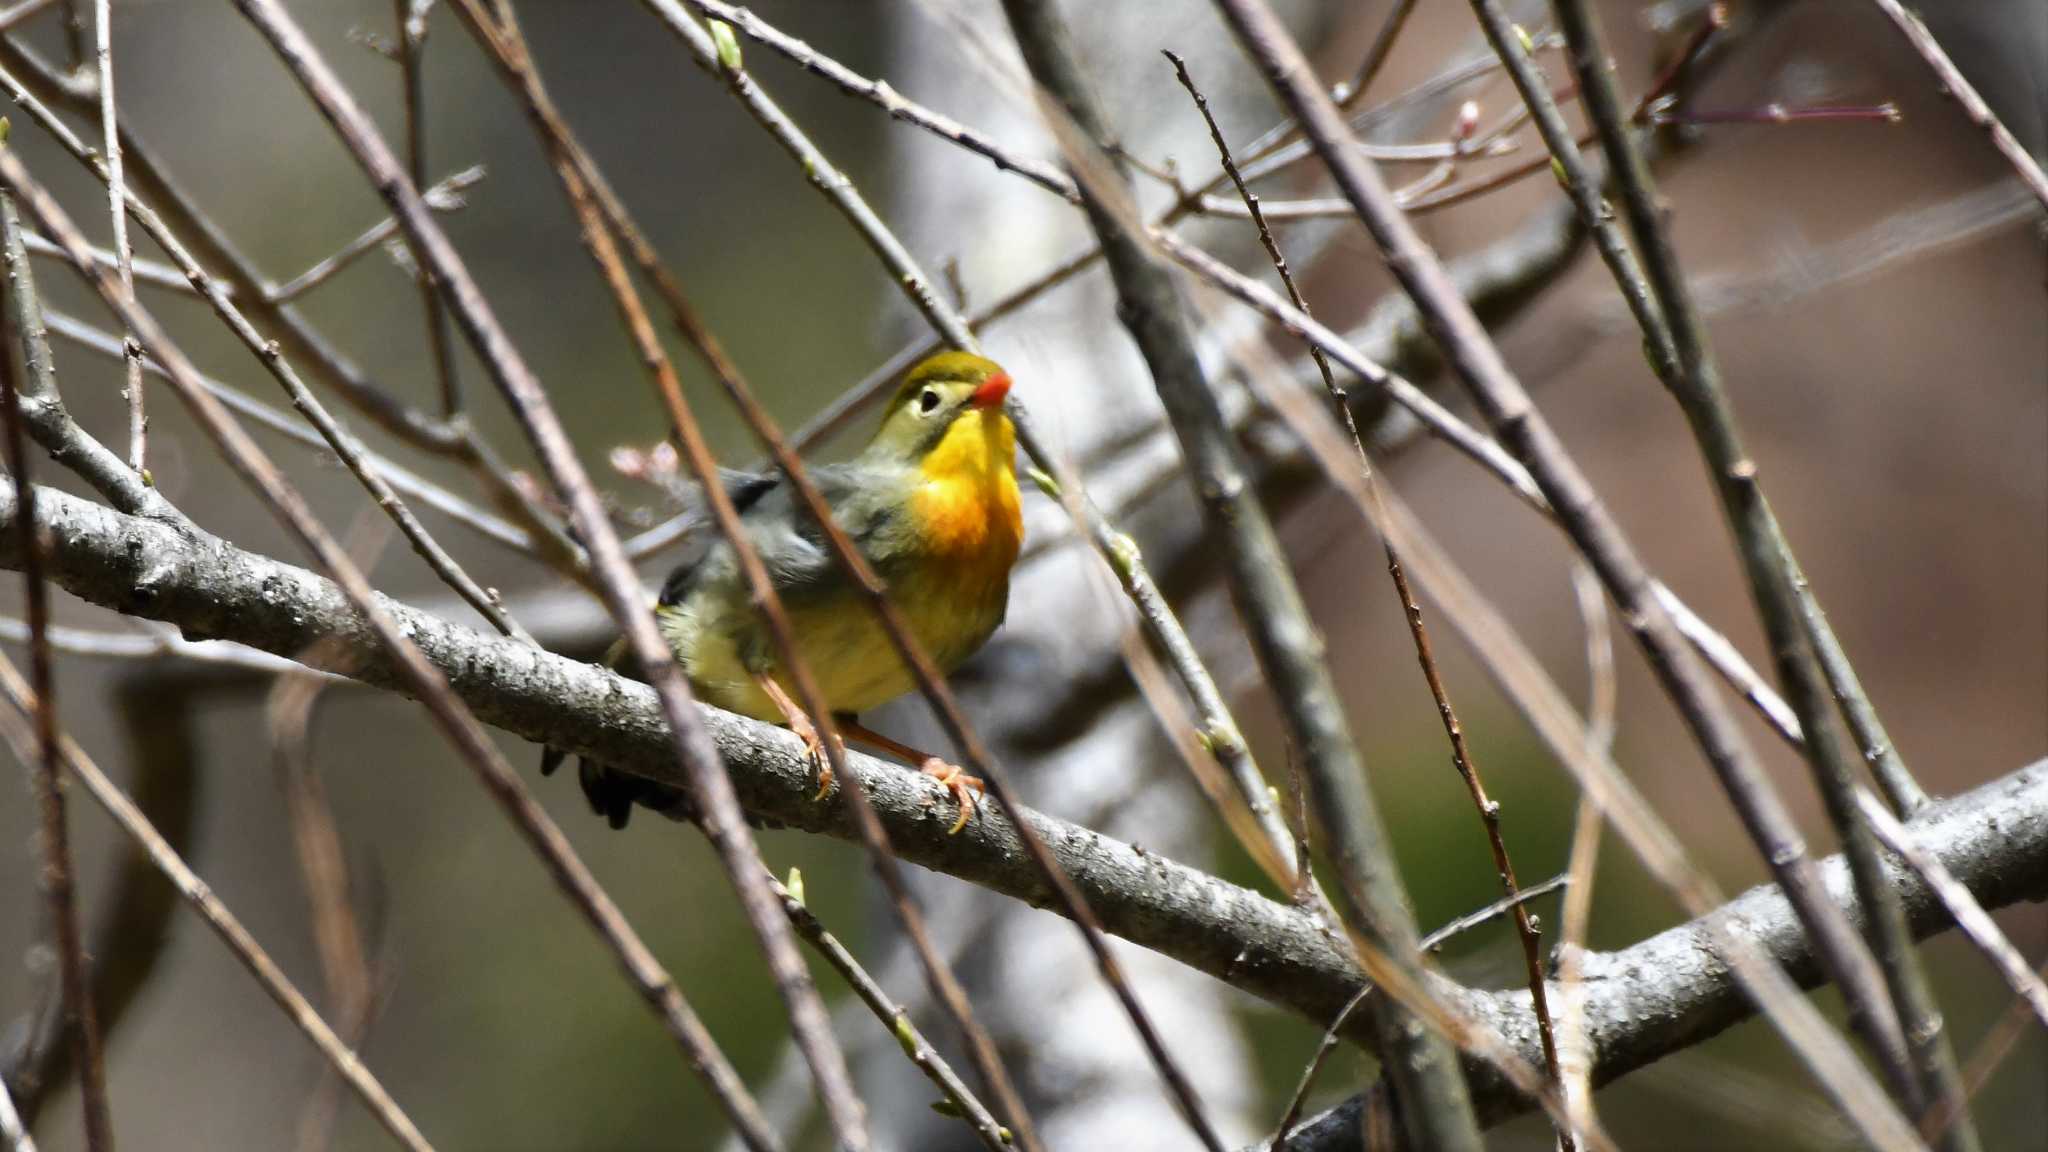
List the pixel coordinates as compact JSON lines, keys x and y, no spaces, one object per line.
{"x":958,"y":782}
{"x":814,"y":749}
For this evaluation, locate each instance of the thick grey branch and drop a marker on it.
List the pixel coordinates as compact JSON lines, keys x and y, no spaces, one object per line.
{"x":1643,"y":1002}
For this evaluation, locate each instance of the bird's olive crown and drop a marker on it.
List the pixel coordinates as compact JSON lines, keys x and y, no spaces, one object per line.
{"x":931,"y":395}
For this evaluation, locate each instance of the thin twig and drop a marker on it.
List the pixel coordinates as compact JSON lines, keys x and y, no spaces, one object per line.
{"x":1436,"y":1103}
{"x":1684,"y":361}
{"x":423,"y":678}
{"x":344,"y":444}
{"x":1376,"y":57}
{"x":124,"y":255}
{"x":1478,"y":363}
{"x":1461,"y":757}
{"x":726,"y":66}
{"x":1990,"y":1052}
{"x":620,"y":588}
{"x":1970,"y":916}
{"x":411,"y":18}
{"x":42,"y":755}
{"x":1956,"y":87}
{"x":601,"y":230}
{"x":11,"y":1129}
{"x":42,"y":407}
{"x":26,"y":74}
{"x":224,"y":923}
{"x":1430,"y":943}
{"x":445,"y":196}
{"x":896,"y":1019}
{"x":1575,"y":1050}
{"x":15,"y":14}
{"x":429,"y":494}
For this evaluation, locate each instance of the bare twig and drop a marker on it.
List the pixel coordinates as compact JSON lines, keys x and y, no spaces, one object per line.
{"x":25,"y":73}
{"x":421,"y":676}
{"x":411,"y":18}
{"x":896,"y":1019}
{"x":343,"y":442}
{"x":1436,"y":1105}
{"x":1575,"y":1056}
{"x":42,"y":407}
{"x":1685,"y":363}
{"x":224,"y":923}
{"x":601,"y":216}
{"x":1954,"y":85}
{"x":1376,"y":56}
{"x":1970,"y":915}
{"x":1430,"y":943}
{"x":429,"y":494}
{"x":619,"y":586}
{"x":726,"y":65}
{"x":16,"y":13}
{"x":53,"y":839}
{"x":11,"y":1128}
{"x":1507,"y":406}
{"x":1461,"y":757}
{"x":445,"y":196}
{"x":124,"y":255}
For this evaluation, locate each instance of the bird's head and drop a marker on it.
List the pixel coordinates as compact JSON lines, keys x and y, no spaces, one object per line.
{"x":948,"y":414}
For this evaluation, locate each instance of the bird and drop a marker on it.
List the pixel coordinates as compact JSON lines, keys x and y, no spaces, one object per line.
{"x":931,"y":502}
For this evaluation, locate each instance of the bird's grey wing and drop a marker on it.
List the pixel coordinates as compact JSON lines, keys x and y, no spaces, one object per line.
{"x":746,"y":490}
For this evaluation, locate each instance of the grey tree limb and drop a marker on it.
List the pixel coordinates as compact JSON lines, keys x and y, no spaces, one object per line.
{"x":1642,"y":1003}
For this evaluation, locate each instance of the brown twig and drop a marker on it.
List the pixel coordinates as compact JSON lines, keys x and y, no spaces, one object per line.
{"x":423,"y":677}
{"x":339,"y":439}
{"x":1897,"y":1016}
{"x":1956,"y":87}
{"x":224,"y":923}
{"x":896,"y":1019}
{"x":824,"y":175}
{"x":26,"y":73}
{"x":619,"y":586}
{"x":1478,"y":363}
{"x":1575,"y":1054}
{"x":604,"y":224}
{"x":411,"y":19}
{"x":1437,"y":1105}
{"x":1461,"y":756}
{"x":42,"y":755}
{"x":445,"y":196}
{"x":429,"y":494}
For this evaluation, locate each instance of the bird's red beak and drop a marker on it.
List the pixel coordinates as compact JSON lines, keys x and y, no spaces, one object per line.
{"x":991,"y":392}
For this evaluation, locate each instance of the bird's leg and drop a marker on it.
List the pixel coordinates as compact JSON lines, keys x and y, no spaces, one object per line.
{"x":958,"y":782}
{"x":793,"y":717}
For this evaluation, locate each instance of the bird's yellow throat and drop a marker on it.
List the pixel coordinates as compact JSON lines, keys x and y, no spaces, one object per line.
{"x":967,"y":505}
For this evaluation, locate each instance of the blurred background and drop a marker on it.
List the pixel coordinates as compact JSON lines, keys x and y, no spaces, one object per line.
{"x":1878,"y":297}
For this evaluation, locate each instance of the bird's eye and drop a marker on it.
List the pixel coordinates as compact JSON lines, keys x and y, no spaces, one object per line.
{"x":927,"y":401}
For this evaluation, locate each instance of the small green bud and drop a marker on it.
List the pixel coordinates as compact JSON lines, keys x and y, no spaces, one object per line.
{"x":906,"y":1036}
{"x":795,"y":884}
{"x":1045,"y":482}
{"x":728,"y":45}
{"x":945,"y":1107}
{"x":1528,"y":45}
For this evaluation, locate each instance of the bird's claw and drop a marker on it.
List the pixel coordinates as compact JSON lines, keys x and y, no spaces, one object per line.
{"x":960,"y":784}
{"x":814,"y":750}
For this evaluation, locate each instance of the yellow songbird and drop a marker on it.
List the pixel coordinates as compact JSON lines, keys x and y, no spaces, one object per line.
{"x":931,"y":502}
